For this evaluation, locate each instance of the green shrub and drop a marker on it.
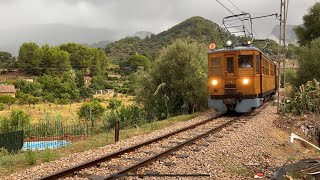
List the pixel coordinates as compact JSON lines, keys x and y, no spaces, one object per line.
{"x":114,"y":103}
{"x":2,"y":106}
{"x":131,"y":116}
{"x":48,"y":155}
{"x":30,"y":157}
{"x":306,"y":99}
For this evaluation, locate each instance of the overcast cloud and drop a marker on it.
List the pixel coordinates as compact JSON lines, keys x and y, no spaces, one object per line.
{"x":129,"y":16}
{"x":134,"y":15}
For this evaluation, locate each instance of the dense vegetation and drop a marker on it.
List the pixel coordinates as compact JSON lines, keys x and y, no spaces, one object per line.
{"x":176,"y":82}
{"x":56,"y":60}
{"x":305,"y":97}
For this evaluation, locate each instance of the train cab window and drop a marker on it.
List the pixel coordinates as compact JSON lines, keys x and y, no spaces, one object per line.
{"x":257,"y":64}
{"x":215,"y":63}
{"x":245,"y":61}
{"x":230,"y":65}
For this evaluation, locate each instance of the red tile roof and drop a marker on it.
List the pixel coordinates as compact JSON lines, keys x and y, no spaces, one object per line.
{"x":7,"y":88}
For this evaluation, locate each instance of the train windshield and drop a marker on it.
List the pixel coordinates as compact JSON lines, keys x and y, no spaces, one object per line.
{"x":245,"y":61}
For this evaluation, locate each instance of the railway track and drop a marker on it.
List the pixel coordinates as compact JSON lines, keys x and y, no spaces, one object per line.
{"x":121,"y":163}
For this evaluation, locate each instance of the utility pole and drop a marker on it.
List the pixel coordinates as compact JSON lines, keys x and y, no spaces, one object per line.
{"x":282,"y":51}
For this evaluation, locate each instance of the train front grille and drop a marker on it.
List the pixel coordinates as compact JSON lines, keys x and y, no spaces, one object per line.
{"x":230,"y":89}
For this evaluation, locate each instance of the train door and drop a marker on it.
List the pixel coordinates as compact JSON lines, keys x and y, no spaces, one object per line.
{"x":230,"y":75}
{"x":230,"y":69}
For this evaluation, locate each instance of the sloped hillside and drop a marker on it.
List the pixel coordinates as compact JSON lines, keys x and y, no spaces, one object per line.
{"x":193,"y":29}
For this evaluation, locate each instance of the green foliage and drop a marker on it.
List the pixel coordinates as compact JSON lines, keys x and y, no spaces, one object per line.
{"x":56,"y":60}
{"x":99,"y":83}
{"x":131,"y":116}
{"x":114,"y":103}
{"x":48,"y":155}
{"x":7,"y":99}
{"x":195,"y":29}
{"x":7,"y":61}
{"x":26,"y":60}
{"x":309,"y":62}
{"x":268,"y":46}
{"x":134,"y":63}
{"x":86,"y":92}
{"x":178,"y":78}
{"x":33,"y":88}
{"x":306,"y":99}
{"x":310,"y":29}
{"x":17,"y":120}
{"x":62,"y":90}
{"x":2,"y":106}
{"x":30,"y":157}
{"x":91,"y":111}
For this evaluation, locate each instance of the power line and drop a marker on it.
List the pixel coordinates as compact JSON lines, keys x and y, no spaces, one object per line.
{"x":235,"y":6}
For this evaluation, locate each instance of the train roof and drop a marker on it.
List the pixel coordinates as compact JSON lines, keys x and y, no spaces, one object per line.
{"x":238,"y":48}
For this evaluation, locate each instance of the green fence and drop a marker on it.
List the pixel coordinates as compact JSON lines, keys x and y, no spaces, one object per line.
{"x":43,"y":135}
{"x":12,"y":141}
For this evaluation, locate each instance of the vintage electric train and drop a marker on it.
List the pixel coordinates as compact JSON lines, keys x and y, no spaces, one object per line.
{"x":240,"y":78}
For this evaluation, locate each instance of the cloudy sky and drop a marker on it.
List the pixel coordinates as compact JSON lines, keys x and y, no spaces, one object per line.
{"x":128,"y":16}
{"x":133,"y":15}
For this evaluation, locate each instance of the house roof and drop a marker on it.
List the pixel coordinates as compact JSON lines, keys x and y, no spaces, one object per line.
{"x":7,"y":88}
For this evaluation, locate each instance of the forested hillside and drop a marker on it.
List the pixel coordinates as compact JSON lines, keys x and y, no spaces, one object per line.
{"x":194,"y":29}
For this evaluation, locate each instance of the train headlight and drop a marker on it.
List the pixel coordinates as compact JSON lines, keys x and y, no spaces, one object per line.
{"x":245,"y":81}
{"x":229,"y":43}
{"x":214,"y":82}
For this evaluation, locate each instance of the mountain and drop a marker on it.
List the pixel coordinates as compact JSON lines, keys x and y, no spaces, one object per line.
{"x":103,"y":44}
{"x":290,"y":34}
{"x":100,"y":44}
{"x":194,"y":29}
{"x":142,"y":34}
{"x":53,"y":34}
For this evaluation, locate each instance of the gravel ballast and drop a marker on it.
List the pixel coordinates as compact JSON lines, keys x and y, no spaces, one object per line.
{"x":237,"y":152}
{"x":240,"y":153}
{"x":76,"y":158}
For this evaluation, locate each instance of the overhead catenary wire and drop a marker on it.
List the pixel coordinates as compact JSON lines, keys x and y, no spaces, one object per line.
{"x":235,"y":6}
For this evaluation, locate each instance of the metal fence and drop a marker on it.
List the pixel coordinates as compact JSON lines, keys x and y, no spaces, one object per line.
{"x":44,"y":135}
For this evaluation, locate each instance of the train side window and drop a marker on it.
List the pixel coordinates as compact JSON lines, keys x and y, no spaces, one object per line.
{"x":245,"y":61}
{"x":215,"y":61}
{"x":230,"y":65}
{"x":257,"y":64}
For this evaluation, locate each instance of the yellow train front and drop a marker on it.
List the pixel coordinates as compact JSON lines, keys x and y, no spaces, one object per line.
{"x":240,"y":78}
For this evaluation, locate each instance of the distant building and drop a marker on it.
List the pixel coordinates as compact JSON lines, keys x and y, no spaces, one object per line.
{"x":28,"y":80}
{"x":7,"y":90}
{"x":114,"y":76}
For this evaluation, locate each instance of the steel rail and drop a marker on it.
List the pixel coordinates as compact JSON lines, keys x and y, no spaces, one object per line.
{"x":134,"y":167}
{"x":90,"y":163}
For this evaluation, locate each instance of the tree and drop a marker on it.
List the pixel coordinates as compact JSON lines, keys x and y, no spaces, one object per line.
{"x":27,"y":59}
{"x":99,"y":83}
{"x":133,"y":63}
{"x":7,"y":61}
{"x":91,"y":111}
{"x":309,"y":62}
{"x":86,"y":93}
{"x":7,"y":99}
{"x":99,"y":63}
{"x":310,"y":29}
{"x":178,"y":78}
{"x":80,"y":55}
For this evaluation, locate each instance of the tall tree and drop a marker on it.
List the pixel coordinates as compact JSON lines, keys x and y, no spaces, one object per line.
{"x":7,"y":61}
{"x":310,"y":29}
{"x":178,"y":79}
{"x":309,"y":62}
{"x":26,"y":58}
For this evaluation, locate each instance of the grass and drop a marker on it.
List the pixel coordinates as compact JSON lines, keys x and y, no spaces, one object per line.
{"x":68,"y":111}
{"x":10,"y":163}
